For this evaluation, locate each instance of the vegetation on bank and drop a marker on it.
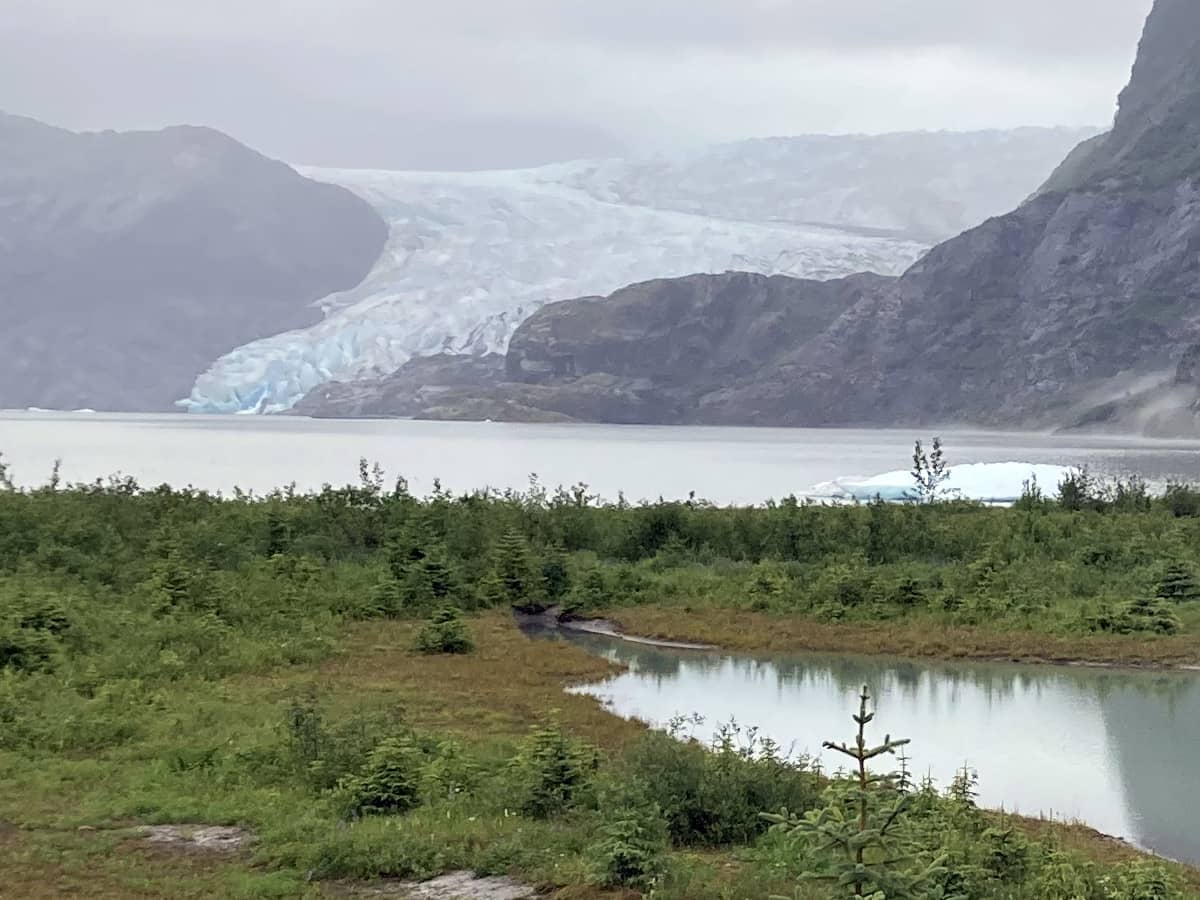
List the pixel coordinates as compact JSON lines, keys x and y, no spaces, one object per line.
{"x":337,"y":672}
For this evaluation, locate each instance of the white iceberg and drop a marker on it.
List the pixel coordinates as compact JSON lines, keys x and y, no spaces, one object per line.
{"x":1003,"y":482}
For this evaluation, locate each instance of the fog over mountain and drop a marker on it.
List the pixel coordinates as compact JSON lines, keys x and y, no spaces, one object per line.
{"x":511,"y":83}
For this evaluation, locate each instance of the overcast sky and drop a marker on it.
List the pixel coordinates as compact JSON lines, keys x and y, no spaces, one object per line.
{"x":492,"y":83}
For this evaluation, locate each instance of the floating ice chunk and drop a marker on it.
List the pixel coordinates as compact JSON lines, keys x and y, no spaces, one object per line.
{"x":987,"y":482}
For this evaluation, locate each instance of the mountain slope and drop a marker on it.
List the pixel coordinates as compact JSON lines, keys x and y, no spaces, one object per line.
{"x":473,"y":254}
{"x":1076,"y":308}
{"x":129,"y":261}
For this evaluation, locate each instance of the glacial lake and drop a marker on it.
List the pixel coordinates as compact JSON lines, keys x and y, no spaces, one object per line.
{"x":724,"y":465}
{"x":1114,"y":749}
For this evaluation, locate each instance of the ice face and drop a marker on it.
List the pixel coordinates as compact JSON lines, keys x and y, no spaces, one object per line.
{"x":472,"y":255}
{"x":986,"y":482}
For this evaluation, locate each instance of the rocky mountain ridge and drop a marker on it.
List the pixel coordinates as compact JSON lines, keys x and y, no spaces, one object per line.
{"x":1080,"y":308}
{"x":128,"y":261}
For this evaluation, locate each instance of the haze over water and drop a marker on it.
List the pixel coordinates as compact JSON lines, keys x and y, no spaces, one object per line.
{"x":724,"y":465}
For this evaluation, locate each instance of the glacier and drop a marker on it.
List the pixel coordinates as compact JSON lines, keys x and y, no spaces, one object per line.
{"x":472,"y":254}
{"x":1002,"y":482}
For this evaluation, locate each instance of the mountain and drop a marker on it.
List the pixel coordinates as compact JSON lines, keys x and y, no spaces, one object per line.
{"x":1080,"y":308}
{"x":472,"y":255}
{"x":129,"y":261}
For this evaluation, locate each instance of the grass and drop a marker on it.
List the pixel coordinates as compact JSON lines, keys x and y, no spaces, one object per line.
{"x":487,"y":699}
{"x":917,"y":638}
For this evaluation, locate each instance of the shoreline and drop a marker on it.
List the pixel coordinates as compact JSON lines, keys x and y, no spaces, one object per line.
{"x":758,"y":633}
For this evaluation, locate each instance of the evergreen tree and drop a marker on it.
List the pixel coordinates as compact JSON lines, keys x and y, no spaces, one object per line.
{"x":556,"y":574}
{"x":1178,"y":585}
{"x":878,"y":532}
{"x":1149,"y":614}
{"x":515,"y":572}
{"x":864,"y":827}
{"x":438,"y":575}
{"x":279,"y":538}
{"x":445,"y":632}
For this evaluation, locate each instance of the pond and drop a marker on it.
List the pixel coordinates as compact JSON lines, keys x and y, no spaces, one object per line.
{"x":1113,"y":749}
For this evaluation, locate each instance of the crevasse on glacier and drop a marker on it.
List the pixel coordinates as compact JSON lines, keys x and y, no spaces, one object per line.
{"x":471,"y":255}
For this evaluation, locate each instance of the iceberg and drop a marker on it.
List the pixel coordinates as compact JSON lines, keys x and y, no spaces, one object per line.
{"x":986,"y":482}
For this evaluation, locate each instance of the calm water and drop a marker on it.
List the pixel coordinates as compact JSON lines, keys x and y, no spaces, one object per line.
{"x":1114,"y":749}
{"x":725,"y":465}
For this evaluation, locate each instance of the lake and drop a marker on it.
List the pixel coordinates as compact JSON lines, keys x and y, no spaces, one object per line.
{"x":1114,"y":749}
{"x":725,"y":465}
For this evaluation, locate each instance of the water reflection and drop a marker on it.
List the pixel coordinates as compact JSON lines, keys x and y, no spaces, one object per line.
{"x":1111,"y":748}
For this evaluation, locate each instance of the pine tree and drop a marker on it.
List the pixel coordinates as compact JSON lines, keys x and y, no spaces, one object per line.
{"x":556,"y":574}
{"x":445,"y":632}
{"x":1178,"y":585}
{"x":515,"y":573}
{"x":438,"y":575}
{"x":878,"y":532}
{"x":864,"y":826}
{"x":1149,"y":614}
{"x":279,"y":538}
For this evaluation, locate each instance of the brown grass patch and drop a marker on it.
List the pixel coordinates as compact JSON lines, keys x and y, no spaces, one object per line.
{"x":767,"y":633}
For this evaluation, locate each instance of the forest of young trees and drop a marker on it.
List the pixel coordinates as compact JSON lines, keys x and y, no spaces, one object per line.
{"x":120,"y":606}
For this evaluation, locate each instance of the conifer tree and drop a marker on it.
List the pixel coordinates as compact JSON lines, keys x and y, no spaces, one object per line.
{"x":1178,"y":585}
{"x":1150,"y":614}
{"x":556,"y":574}
{"x":878,"y":532}
{"x":445,"y":632}
{"x":516,"y":574}
{"x":864,"y":826}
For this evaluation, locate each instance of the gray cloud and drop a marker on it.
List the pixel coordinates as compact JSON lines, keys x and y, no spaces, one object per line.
{"x":464,"y":83}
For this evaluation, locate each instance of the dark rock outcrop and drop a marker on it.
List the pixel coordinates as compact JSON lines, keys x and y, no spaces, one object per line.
{"x":647,"y":354}
{"x":421,"y":383}
{"x":128,"y":262}
{"x":1071,"y":310}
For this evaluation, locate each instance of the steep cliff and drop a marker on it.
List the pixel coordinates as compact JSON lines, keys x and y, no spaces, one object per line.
{"x":129,"y":261}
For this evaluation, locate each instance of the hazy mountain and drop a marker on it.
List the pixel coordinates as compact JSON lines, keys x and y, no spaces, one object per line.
{"x":129,"y":261}
{"x":473,"y":254}
{"x":1081,"y":307}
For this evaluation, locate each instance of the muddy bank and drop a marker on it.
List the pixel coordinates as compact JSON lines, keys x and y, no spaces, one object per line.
{"x":554,"y":619}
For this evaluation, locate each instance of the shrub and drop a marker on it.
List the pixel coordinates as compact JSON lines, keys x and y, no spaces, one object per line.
{"x":1006,"y":854}
{"x":1061,"y":878}
{"x":630,"y":851}
{"x":445,"y":633}
{"x":554,"y":771}
{"x":1182,"y":500}
{"x":26,"y":649}
{"x":714,"y":796}
{"x":1143,"y":880}
{"x":388,"y":783}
